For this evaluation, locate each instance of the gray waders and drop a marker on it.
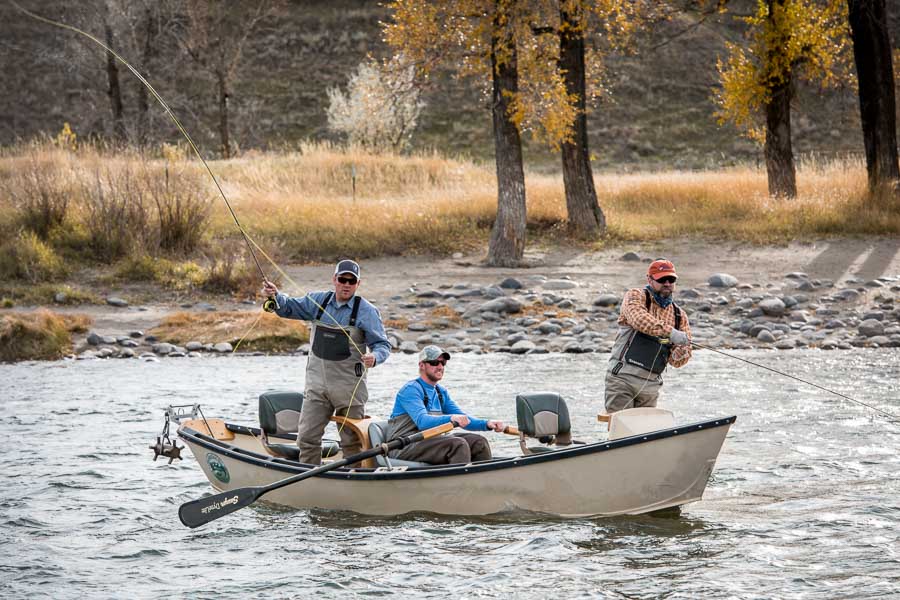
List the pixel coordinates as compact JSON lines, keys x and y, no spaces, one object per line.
{"x":335,"y":384}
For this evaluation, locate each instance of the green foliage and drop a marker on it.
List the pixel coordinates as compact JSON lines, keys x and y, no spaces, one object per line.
{"x":29,"y":258}
{"x":807,"y":39}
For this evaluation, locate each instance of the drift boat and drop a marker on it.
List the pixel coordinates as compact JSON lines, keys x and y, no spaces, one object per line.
{"x":646,"y":464}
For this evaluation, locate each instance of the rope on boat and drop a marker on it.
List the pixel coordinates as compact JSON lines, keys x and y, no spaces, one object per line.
{"x":894,"y":418}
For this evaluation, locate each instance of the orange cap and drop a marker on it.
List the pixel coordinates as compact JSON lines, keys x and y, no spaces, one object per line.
{"x":661,"y":268}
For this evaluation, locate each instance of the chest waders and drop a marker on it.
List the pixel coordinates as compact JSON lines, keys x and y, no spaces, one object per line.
{"x":646,"y":351}
{"x":335,"y":383}
{"x":334,"y":366}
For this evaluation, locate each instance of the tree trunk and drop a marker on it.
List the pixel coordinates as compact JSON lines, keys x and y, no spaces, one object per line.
{"x":585,"y":215}
{"x":222,"y":85}
{"x":779,"y":155}
{"x":143,"y":103}
{"x":507,"y":245}
{"x":877,"y":102}
{"x":114,"y":90}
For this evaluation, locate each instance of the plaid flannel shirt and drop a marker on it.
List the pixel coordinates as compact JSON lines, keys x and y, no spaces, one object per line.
{"x":658,"y":321}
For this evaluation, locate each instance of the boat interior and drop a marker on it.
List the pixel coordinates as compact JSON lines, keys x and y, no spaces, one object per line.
{"x":542,"y":419}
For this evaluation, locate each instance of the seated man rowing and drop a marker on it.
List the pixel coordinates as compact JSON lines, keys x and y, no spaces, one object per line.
{"x":422,"y":404}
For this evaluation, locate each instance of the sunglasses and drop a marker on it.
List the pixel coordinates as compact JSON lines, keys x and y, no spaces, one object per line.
{"x":667,"y":279}
{"x":347,"y":280}
{"x":434,"y":363}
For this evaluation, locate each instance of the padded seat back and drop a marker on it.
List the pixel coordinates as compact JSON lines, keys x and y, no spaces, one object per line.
{"x":544,"y":415}
{"x":279,"y":412}
{"x":377,"y":431}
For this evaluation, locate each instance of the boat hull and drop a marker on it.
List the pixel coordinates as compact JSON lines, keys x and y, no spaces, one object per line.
{"x":632,"y":475}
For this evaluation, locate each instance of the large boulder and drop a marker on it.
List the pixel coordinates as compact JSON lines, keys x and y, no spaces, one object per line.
{"x":722,"y":280}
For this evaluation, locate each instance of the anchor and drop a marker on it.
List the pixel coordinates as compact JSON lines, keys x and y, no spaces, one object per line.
{"x":165,"y":446}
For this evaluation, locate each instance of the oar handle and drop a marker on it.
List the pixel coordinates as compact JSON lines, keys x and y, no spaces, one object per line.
{"x":439,"y":430}
{"x":510,"y":430}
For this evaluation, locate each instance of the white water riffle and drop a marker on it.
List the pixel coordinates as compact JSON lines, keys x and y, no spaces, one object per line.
{"x":803,"y":501}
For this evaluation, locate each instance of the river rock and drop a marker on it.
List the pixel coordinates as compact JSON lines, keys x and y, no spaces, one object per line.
{"x":522,"y":346}
{"x":116,"y":301}
{"x":631,"y":257}
{"x":409,"y":347}
{"x":606,"y":300}
{"x":559,"y":284}
{"x":162,"y":348}
{"x":511,"y":283}
{"x":193,"y":346}
{"x":223,"y":347}
{"x":871,"y":327}
{"x":500,"y":305}
{"x":773,"y":307}
{"x":765,"y":335}
{"x":93,"y":339}
{"x":847,"y":295}
{"x":723,"y":280}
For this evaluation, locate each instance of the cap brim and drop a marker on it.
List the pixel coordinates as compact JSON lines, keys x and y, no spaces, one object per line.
{"x":347,"y":273}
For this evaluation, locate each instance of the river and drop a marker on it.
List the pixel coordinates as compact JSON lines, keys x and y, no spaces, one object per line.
{"x":804,"y":501}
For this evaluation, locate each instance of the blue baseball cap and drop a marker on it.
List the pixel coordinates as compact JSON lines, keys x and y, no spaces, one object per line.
{"x":347,"y":266}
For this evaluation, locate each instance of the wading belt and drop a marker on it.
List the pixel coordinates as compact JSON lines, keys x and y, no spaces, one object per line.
{"x":646,"y":351}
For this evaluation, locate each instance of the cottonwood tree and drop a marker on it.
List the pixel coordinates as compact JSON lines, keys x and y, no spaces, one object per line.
{"x":562,"y":71}
{"x":788,"y":40}
{"x":877,"y":102}
{"x":381,"y":107}
{"x":214,"y":36}
{"x":478,"y":38}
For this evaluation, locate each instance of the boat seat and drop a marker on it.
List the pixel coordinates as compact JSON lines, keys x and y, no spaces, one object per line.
{"x":377,"y":430}
{"x":279,"y":415}
{"x":545,"y":416}
{"x":635,"y":421}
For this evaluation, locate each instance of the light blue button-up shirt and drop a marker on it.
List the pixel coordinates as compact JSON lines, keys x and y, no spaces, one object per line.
{"x":368,"y":319}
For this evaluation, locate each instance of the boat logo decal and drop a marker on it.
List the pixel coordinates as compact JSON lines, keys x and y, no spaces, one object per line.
{"x":218,"y":467}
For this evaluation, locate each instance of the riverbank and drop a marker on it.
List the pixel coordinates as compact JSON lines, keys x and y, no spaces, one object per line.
{"x":830,"y":294}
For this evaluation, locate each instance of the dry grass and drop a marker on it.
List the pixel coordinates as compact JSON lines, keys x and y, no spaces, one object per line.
{"x":41,"y":335}
{"x":300,"y":204}
{"x":258,"y":330}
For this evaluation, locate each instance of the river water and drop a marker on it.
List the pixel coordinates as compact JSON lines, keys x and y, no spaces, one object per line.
{"x":803,"y":502}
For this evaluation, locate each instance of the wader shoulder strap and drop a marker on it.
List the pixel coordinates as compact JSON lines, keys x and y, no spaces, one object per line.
{"x":325,"y":303}
{"x":355,"y":310}
{"x":677,"y":309}
{"x":425,"y":395}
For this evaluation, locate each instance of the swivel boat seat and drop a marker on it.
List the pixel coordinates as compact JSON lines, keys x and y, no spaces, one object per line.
{"x":279,"y":416}
{"x":545,"y":416}
{"x":377,"y":437}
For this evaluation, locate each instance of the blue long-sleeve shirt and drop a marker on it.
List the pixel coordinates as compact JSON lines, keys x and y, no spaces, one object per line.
{"x":368,"y":319}
{"x":409,"y":400}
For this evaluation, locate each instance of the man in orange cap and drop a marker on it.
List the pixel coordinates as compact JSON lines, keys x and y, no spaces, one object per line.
{"x":653,"y":333}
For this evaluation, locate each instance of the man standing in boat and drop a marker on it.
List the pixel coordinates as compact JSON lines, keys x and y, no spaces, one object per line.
{"x":422,"y":404}
{"x":343,"y":325}
{"x":653,"y":332}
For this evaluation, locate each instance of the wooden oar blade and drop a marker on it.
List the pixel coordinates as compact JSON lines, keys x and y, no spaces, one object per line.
{"x":203,"y":510}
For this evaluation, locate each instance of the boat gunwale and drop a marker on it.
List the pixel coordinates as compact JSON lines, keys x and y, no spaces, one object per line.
{"x":382,"y":473}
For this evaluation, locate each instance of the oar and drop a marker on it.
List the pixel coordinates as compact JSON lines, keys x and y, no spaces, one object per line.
{"x":203,"y":510}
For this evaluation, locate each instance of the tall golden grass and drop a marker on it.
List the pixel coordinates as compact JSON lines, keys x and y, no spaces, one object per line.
{"x":317,"y":201}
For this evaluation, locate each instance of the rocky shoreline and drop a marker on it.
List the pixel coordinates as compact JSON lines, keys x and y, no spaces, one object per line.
{"x":536,"y":314}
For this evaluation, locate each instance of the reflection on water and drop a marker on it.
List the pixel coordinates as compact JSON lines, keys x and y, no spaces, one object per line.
{"x":803,"y":501}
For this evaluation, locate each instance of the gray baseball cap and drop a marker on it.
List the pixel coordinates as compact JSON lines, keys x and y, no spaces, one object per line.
{"x":433,"y":352}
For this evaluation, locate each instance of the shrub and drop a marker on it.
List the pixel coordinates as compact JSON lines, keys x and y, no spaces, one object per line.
{"x":381,"y":107}
{"x":116,"y":216}
{"x":40,"y":192}
{"x":229,"y":272}
{"x":28,"y":258}
{"x":34,"y":336}
{"x":182,"y":209}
